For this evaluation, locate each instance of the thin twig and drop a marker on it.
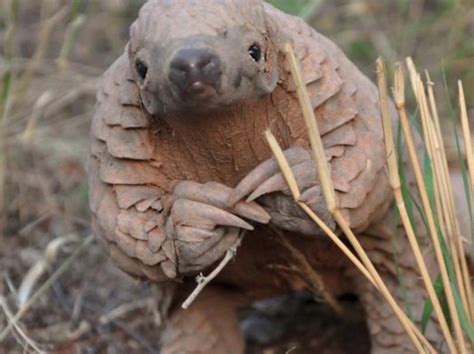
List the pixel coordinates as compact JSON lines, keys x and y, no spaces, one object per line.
{"x":124,"y":309}
{"x":39,"y":268}
{"x":308,"y":273}
{"x":25,"y":230}
{"x":202,"y":280}
{"x":137,"y":336}
{"x":55,"y":276}
{"x":28,"y":340}
{"x":44,"y":38}
{"x":37,"y":113}
{"x":69,"y":40}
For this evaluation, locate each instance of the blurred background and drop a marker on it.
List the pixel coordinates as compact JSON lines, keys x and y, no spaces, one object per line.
{"x":52,"y":55}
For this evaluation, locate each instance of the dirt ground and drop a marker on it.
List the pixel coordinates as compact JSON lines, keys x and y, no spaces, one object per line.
{"x":57,"y":50}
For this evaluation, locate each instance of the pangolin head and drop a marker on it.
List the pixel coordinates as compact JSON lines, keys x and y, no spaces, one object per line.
{"x":202,"y":55}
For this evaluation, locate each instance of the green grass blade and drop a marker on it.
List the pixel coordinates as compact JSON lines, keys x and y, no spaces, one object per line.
{"x":5,"y":97}
{"x":405,"y":186}
{"x":461,"y":311}
{"x":463,"y":318}
{"x":428,"y":307}
{"x":419,"y":208}
{"x":429,"y":181}
{"x":75,"y":8}
{"x":303,"y":8}
{"x":403,"y":288}
{"x":6,"y":86}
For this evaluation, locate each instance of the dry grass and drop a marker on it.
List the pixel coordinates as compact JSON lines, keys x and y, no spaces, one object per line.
{"x":447,"y":233}
{"x":396,"y":185}
{"x":324,"y":176}
{"x":52,"y":56}
{"x":459,"y":280}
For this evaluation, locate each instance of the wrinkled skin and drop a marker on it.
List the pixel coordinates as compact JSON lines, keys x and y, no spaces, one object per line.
{"x":180,"y":168}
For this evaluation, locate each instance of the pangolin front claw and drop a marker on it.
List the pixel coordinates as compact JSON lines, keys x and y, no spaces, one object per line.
{"x":196,"y":213}
{"x":267,"y":178}
{"x":202,"y":227}
{"x":305,"y":175}
{"x":265,"y":171}
{"x":217,"y":194}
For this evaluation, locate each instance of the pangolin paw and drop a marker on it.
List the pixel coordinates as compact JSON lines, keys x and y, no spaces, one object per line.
{"x":201,"y":226}
{"x":267,"y":184}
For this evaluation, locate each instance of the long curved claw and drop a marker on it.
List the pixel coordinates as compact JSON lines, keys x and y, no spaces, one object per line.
{"x":305,"y":175}
{"x":263,"y":172}
{"x":273,"y":184}
{"x":200,"y":225}
{"x":191,"y":211}
{"x":252,"y":211}
{"x":217,"y":194}
{"x":248,"y":210}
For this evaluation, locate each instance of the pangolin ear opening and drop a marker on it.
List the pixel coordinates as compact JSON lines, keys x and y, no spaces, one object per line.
{"x":274,"y":41}
{"x":150,"y":102}
{"x":268,"y":79}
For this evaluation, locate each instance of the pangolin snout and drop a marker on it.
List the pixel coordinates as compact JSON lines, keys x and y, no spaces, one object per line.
{"x":195,"y":72}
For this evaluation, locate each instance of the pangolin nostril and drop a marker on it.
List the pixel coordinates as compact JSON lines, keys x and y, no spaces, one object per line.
{"x":191,"y":66}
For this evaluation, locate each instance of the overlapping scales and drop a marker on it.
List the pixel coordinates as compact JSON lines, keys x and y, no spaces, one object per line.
{"x":125,"y":197}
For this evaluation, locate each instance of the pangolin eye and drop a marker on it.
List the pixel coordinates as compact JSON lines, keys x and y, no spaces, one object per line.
{"x":141,"y":68}
{"x":255,"y":52}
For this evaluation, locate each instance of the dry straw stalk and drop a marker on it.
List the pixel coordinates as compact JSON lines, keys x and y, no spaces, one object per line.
{"x":441,"y":182}
{"x":290,"y":179}
{"x":469,"y":152}
{"x":456,"y":241}
{"x":45,"y":286}
{"x":418,"y":88}
{"x":396,"y":185}
{"x":467,"y":134}
{"x":419,"y":341}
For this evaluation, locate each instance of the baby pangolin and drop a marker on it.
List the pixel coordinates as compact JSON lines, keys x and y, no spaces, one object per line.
{"x":180,"y":167}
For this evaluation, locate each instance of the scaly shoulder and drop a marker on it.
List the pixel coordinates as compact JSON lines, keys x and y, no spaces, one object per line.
{"x":345,"y":103}
{"x":121,"y":136}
